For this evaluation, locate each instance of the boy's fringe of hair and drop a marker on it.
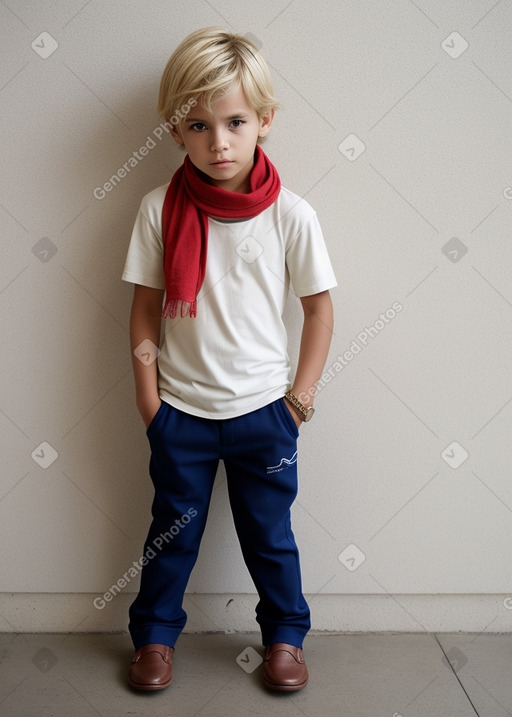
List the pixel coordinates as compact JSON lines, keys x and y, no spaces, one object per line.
{"x":210,"y":63}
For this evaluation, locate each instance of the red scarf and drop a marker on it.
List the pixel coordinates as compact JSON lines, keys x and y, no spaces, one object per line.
{"x":188,"y":202}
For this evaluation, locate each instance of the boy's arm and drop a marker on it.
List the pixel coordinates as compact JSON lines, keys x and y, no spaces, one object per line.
{"x":314,"y":347}
{"x":145,"y":323}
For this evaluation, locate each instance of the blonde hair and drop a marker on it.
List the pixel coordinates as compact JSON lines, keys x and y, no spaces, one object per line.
{"x":210,"y":63}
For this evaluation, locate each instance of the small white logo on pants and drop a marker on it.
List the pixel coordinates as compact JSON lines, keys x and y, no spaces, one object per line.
{"x":283,"y":463}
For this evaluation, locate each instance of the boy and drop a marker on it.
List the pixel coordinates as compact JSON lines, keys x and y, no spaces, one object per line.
{"x":214,"y":253}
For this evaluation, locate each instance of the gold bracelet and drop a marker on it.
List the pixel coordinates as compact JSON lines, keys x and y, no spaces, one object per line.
{"x":306,"y":412}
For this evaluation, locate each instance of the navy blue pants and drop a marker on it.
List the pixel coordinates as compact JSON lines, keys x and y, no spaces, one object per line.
{"x":259,"y":451}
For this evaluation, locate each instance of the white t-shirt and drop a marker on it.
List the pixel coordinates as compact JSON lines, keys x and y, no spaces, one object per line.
{"x":232,"y":358}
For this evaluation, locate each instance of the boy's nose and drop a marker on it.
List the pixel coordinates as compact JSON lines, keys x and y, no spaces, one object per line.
{"x":219,"y":144}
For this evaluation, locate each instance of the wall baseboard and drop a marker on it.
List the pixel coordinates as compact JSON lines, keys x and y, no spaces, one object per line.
{"x":84,"y":612}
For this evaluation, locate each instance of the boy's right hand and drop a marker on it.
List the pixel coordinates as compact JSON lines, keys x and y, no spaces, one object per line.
{"x":149,"y":412}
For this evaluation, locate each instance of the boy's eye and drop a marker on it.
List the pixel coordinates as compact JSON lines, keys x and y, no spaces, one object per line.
{"x":201,"y":127}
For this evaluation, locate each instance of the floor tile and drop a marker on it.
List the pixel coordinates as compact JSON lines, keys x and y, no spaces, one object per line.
{"x":483,"y":664}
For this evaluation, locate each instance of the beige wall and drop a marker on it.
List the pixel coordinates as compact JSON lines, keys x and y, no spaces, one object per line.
{"x":380,"y":478}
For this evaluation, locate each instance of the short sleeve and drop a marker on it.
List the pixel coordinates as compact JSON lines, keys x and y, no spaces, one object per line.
{"x":144,"y":260}
{"x":308,"y":262}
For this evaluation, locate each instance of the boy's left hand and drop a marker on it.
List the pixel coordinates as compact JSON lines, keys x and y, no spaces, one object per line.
{"x":295,"y":415}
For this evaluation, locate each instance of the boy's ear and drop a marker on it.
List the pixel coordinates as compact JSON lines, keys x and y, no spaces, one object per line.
{"x":266,"y":123}
{"x":176,"y":134}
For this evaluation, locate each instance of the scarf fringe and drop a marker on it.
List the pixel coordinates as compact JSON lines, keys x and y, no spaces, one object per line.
{"x":179,"y":307}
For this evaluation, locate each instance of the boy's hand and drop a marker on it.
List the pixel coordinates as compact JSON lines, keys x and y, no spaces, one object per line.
{"x":149,"y":412}
{"x":295,"y":414}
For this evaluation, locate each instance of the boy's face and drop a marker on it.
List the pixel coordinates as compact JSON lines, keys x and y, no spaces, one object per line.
{"x":221,"y":143}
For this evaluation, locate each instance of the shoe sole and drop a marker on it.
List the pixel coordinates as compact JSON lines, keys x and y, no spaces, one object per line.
{"x":284,"y":688}
{"x":148,"y":688}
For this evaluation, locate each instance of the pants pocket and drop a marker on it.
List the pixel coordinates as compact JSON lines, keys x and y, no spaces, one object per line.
{"x":156,"y":419}
{"x":287,"y":417}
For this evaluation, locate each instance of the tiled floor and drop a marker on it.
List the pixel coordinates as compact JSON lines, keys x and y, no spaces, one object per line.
{"x":363,"y":675}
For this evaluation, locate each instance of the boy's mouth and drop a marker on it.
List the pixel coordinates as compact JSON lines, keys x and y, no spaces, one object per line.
{"x":221,"y":162}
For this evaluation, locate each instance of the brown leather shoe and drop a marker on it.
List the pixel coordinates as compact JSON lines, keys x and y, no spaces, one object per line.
{"x":284,"y":668}
{"x":151,"y":668}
